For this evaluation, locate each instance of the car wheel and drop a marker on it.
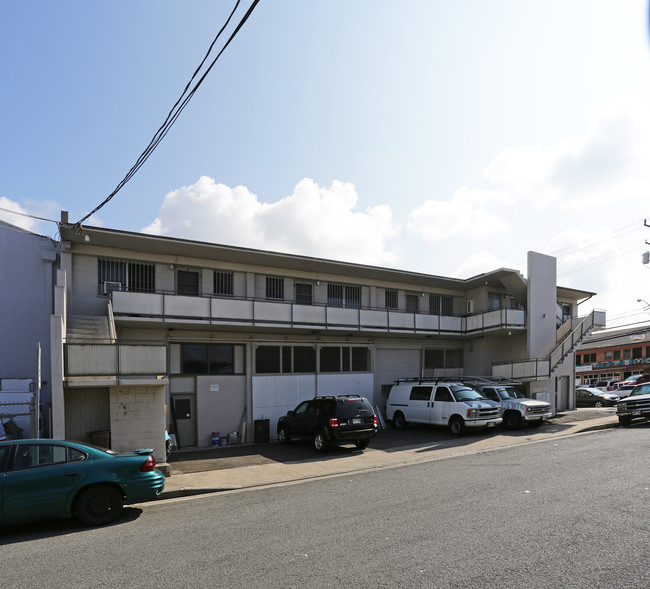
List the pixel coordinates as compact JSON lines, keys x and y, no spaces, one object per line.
{"x":320,"y":441}
{"x":456,"y":425}
{"x":512,"y":420}
{"x":283,"y":437}
{"x":624,"y":420}
{"x":98,"y":505}
{"x":598,"y":404}
{"x":398,"y":420}
{"x":362,"y":444}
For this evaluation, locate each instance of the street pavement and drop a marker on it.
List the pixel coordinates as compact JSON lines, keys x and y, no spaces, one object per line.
{"x":224,"y":468}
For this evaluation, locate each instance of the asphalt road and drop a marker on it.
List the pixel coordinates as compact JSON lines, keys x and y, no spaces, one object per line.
{"x":567,"y":513}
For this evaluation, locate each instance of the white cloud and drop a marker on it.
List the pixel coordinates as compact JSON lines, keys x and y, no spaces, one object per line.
{"x":21,"y":221}
{"x":607,"y":163}
{"x":481,"y":262}
{"x":470,"y":213}
{"x":313,"y":221}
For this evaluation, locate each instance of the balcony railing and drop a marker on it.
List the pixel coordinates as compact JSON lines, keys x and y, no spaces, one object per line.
{"x":113,"y":361}
{"x":172,"y":308}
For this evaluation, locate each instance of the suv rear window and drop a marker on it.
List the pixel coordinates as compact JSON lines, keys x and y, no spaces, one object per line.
{"x":350,"y":408}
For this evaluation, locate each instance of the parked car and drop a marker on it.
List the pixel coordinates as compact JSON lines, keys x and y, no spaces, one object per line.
{"x":330,"y":420}
{"x":440,"y":402}
{"x":516,"y":408}
{"x":625,"y":390}
{"x":634,"y":380}
{"x":606,"y":385}
{"x":46,"y":478}
{"x":636,"y":405}
{"x":592,"y":397}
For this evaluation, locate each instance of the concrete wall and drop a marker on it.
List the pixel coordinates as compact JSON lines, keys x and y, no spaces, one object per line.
{"x":137,"y":418}
{"x":542,"y":305}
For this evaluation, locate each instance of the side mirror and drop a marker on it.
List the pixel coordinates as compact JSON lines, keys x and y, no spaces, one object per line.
{"x":290,"y":413}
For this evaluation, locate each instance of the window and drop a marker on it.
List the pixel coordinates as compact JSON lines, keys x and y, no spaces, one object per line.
{"x":390,"y":299}
{"x":342,"y":295}
{"x":285,"y":359}
{"x":443,"y":394}
{"x":420,"y":393}
{"x":123,"y":275}
{"x":617,"y":354}
{"x":274,"y":287}
{"x":303,"y":293}
{"x":637,"y":352}
{"x":33,"y":455}
{"x":211,"y":359}
{"x":344,"y":359}
{"x":608,"y":354}
{"x":627,"y":354}
{"x":222,"y":283}
{"x":578,"y":359}
{"x":412,"y":303}
{"x":440,"y":305}
{"x":494,"y":301}
{"x":647,"y":352}
{"x":187,"y":283}
{"x":445,"y":358}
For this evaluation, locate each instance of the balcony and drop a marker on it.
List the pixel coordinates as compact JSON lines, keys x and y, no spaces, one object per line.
{"x":254,"y":313}
{"x":114,"y":363}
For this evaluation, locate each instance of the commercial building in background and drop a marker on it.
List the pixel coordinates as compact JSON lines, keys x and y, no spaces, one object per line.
{"x":228,"y":339}
{"x":613,"y":355}
{"x":27,"y":266}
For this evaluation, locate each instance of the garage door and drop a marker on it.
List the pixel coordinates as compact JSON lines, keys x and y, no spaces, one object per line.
{"x":391,"y":364}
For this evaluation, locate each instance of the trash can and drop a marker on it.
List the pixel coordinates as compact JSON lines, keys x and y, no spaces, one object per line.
{"x":261,"y":431}
{"x":214,"y":438}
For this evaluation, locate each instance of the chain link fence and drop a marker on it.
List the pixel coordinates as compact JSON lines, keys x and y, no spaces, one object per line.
{"x":18,"y":420}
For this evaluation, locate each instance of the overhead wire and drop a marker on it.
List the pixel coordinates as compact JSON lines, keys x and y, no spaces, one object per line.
{"x":178,"y":107}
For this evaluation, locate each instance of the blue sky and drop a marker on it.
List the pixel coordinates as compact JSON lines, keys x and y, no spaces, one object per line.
{"x":443,"y":137}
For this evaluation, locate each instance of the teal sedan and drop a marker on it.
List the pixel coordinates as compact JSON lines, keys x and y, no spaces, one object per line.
{"x":51,"y":478}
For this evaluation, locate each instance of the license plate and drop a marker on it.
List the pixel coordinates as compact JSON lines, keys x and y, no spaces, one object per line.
{"x":357,"y":421}
{"x":491,"y":424}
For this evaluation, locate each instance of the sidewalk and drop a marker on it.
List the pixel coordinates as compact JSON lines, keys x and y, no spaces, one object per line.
{"x":207,"y":470}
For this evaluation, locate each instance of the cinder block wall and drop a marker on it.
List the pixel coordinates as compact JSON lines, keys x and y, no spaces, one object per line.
{"x":137,"y":419}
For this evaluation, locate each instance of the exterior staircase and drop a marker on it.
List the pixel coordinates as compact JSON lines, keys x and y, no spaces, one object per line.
{"x":88,"y":329}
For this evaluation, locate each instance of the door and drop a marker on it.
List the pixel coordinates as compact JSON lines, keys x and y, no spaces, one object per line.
{"x":440,"y":408}
{"x":419,"y":409}
{"x":184,"y":407}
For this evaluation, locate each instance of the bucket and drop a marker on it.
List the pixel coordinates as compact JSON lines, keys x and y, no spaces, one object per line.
{"x":215,"y":438}
{"x":223,"y":441}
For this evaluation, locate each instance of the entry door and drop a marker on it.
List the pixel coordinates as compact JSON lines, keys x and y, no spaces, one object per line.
{"x":185,"y":419}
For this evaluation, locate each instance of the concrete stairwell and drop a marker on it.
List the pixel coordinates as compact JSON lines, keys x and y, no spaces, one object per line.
{"x":88,"y":329}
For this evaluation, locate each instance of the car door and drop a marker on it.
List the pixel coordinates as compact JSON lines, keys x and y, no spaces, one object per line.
{"x":419,"y":407}
{"x":303,"y":418}
{"x":41,"y":478}
{"x":4,"y":454}
{"x":441,"y":406}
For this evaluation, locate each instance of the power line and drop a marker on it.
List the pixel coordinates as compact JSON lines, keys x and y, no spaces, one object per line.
{"x":27,"y":215}
{"x":178,"y":107}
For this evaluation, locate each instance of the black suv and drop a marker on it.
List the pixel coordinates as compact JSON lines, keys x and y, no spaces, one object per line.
{"x":330,"y":420}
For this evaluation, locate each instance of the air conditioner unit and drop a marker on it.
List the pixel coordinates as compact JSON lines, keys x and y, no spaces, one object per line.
{"x":111,"y":286}
{"x":470,"y":307}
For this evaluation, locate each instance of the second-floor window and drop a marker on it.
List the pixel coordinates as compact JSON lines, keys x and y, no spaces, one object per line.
{"x":343,"y":295}
{"x":440,"y":305}
{"x":187,"y":283}
{"x":390,"y":299}
{"x":274,"y":287}
{"x":123,"y":275}
{"x":223,"y":283}
{"x":412,"y":303}
{"x":303,"y":293}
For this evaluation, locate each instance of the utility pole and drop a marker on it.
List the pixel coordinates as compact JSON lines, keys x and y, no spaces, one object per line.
{"x":645,"y":256}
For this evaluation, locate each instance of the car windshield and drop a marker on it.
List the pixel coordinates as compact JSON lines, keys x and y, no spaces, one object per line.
{"x":509,"y":393}
{"x":642,"y":389}
{"x":463,"y":393}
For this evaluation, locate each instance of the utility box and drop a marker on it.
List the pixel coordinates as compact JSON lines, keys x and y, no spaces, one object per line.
{"x":261,"y":430}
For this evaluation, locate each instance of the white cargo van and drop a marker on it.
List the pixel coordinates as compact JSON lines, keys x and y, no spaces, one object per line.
{"x":440,"y":402}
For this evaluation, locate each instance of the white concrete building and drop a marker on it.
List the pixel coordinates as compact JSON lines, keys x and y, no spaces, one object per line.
{"x":227,"y":338}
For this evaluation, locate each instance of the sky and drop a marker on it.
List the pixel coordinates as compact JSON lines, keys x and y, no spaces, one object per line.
{"x":438,"y":136}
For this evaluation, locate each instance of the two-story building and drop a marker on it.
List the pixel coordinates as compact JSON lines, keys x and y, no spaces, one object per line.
{"x":229,"y":338}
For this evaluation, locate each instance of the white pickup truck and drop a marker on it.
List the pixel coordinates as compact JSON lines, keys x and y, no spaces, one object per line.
{"x":516,"y":408}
